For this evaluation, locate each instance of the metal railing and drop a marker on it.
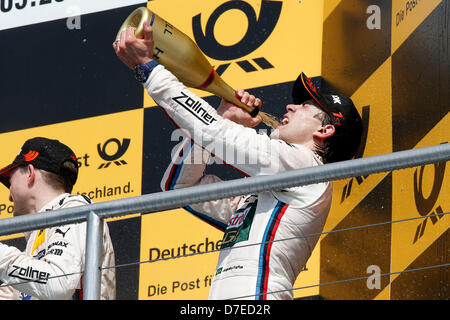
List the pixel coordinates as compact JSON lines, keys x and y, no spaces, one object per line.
{"x":95,"y":213}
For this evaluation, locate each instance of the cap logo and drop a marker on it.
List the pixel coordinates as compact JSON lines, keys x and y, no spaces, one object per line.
{"x":311,"y":85}
{"x":337,"y":118}
{"x":336,"y":99}
{"x":31,"y":155}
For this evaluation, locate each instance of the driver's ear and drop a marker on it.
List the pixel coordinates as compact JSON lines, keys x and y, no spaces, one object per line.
{"x":324,"y":132}
{"x":31,"y":174}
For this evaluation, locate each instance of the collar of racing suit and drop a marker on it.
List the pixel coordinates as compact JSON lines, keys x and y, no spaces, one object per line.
{"x":53,"y":204}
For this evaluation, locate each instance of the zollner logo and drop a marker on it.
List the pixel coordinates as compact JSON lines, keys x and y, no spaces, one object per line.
{"x":259,"y":29}
{"x":110,"y":158}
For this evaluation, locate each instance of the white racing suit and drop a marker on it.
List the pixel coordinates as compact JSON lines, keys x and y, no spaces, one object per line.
{"x":254,"y":260}
{"x":54,"y":260}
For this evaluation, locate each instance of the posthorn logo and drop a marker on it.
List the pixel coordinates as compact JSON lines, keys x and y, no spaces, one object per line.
{"x":120,"y":148}
{"x":259,"y":29}
{"x":428,"y":205}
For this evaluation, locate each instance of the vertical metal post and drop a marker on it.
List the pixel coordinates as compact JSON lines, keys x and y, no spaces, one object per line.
{"x":92,"y":271}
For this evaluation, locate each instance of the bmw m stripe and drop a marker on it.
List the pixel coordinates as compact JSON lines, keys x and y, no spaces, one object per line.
{"x":172,"y":180}
{"x":176,"y":169}
{"x":264,"y":254}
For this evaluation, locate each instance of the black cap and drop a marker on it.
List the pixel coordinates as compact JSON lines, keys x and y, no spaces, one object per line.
{"x":45,"y":154}
{"x":344,"y":116}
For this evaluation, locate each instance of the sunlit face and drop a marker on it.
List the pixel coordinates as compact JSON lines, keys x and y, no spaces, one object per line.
{"x":18,"y":191}
{"x":299,"y":123}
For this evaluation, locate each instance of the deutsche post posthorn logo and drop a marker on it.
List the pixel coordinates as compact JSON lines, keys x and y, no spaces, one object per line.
{"x":105,"y":152}
{"x":259,"y":29}
{"x":428,"y":206}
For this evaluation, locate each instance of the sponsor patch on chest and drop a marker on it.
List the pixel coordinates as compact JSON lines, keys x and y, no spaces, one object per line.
{"x":240,"y":223}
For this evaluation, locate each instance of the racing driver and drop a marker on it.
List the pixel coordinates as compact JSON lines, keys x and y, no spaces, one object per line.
{"x":255,"y":261}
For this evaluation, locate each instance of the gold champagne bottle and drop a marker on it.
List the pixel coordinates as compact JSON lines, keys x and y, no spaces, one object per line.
{"x":181,"y":56}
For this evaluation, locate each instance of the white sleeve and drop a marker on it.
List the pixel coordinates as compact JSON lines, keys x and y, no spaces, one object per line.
{"x":6,"y":292}
{"x":55,"y":276}
{"x":242,"y":148}
{"x":187,"y":169}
